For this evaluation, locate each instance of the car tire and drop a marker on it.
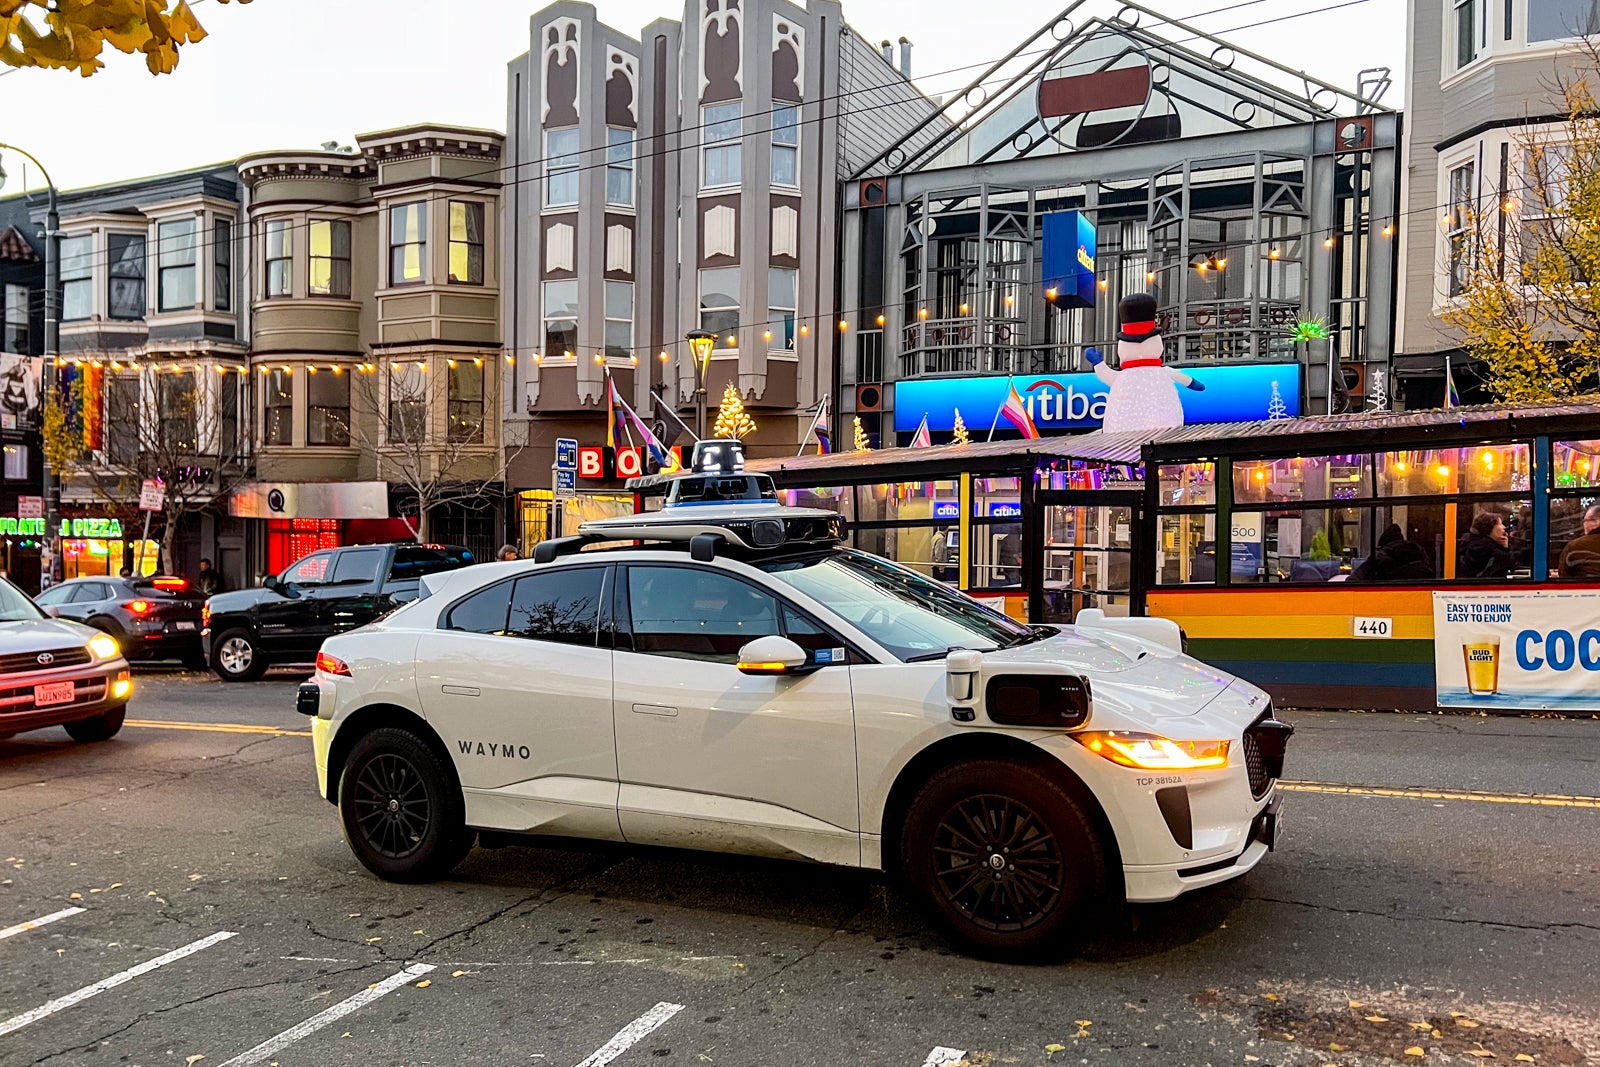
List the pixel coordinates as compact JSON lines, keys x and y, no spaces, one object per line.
{"x":236,"y":657}
{"x":1007,"y":862}
{"x":101,"y":727}
{"x":402,"y":809}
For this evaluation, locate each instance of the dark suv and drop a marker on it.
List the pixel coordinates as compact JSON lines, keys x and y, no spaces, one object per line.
{"x":323,"y":594}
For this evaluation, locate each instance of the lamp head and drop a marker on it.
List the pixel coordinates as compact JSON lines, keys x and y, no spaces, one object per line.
{"x":701,"y":343}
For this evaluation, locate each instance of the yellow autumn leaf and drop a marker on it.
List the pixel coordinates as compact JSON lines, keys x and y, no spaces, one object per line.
{"x":425,"y":983}
{"x":458,"y":974}
{"x":1481,"y":1053}
{"x":373,"y":940}
{"x":1357,"y":1004}
{"x":1523,"y":1057}
{"x":1082,"y":1022}
{"x":1437,"y":1034}
{"x":1334,"y":1046}
{"x":1415,"y":1050}
{"x":1458,"y":1015}
{"x":1051,"y":1050}
{"x":1270,"y":996}
{"x":1422,"y":1026}
{"x":1376,"y":1019}
{"x":193,"y":1059}
{"x":1468,"y":1023}
{"x":75,"y":896}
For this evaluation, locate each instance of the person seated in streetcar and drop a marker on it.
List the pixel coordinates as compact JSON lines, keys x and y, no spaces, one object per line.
{"x":1395,"y":560}
{"x":1486,"y":550}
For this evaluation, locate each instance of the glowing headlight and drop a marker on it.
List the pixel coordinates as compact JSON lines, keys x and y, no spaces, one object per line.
{"x":104,"y":646}
{"x":1152,"y":752}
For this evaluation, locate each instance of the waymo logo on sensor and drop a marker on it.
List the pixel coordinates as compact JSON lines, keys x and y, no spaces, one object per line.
{"x":1558,"y":650}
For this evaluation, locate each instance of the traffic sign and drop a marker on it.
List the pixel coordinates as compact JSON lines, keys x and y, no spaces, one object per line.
{"x":565,"y":483}
{"x":30,"y":507}
{"x":152,"y":495}
{"x":566,"y":454}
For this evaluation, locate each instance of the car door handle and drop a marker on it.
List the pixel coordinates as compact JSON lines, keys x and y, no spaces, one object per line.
{"x":653,"y":709}
{"x":461,"y":690}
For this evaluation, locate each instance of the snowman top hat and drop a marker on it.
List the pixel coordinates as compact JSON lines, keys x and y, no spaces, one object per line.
{"x":1137,"y":315}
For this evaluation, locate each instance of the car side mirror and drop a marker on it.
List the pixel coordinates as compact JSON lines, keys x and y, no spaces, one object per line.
{"x":772,"y":655}
{"x":51,"y":610}
{"x":271,"y":582}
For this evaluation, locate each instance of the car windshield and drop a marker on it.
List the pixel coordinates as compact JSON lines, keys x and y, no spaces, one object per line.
{"x":910,"y":615}
{"x":16,"y":607}
{"x":414,"y":561}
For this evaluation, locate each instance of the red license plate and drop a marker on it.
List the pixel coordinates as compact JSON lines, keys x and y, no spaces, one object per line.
{"x":54,"y":693}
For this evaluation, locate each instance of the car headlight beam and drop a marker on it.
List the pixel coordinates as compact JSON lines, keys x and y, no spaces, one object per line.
{"x":104,"y":646}
{"x":1152,"y":752}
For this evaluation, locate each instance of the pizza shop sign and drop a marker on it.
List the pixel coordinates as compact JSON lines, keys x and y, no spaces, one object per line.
{"x":99,"y":529}
{"x":600,"y":462}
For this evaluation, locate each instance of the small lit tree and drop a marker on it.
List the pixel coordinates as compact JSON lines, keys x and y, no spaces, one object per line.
{"x":861,"y":442}
{"x":959,"y":435}
{"x":733,"y":421}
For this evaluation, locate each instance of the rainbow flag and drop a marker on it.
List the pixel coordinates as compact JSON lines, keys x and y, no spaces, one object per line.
{"x":824,"y":439}
{"x":1015,"y":412}
{"x":613,"y":415}
{"x":922,"y":438}
{"x":1452,"y":399}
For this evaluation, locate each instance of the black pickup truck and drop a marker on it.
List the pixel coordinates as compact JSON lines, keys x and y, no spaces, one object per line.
{"x":327,"y":592}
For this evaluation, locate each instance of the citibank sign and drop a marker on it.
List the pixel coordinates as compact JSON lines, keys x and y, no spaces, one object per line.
{"x":1242,"y":393}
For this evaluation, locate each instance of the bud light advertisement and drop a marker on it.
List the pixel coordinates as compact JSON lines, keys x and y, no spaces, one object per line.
{"x":1518,"y":651}
{"x":1243,"y":393}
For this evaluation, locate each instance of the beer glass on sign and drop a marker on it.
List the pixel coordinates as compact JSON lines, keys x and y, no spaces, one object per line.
{"x":1482,"y":658}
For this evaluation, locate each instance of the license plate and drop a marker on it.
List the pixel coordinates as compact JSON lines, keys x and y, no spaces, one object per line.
{"x":54,"y":693}
{"x":183,"y":626}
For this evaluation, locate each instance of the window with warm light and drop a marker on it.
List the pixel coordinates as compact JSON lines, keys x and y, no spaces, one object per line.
{"x":328,"y":408}
{"x":619,"y":320}
{"x":719,"y":304}
{"x":328,"y":245}
{"x":176,"y":248}
{"x":408,"y":401}
{"x":16,"y":462}
{"x":466,"y":242}
{"x":465,"y":401}
{"x":1458,"y":223}
{"x":277,"y":404}
{"x":408,"y":243}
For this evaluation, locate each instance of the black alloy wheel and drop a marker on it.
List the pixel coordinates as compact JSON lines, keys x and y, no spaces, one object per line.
{"x":402,"y":808}
{"x":1006,"y":859}
{"x":997,"y":863}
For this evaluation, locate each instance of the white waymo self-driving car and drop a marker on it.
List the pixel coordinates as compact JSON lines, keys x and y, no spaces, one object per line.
{"x":730,"y":678}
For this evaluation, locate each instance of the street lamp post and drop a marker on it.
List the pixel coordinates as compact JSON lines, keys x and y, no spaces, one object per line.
{"x":701,"y":344}
{"x":52,"y":345}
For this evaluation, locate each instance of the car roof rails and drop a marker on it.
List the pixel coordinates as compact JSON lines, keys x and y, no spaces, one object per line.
{"x":554,"y":549}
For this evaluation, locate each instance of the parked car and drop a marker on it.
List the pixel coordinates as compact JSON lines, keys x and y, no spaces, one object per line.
{"x":55,"y":672}
{"x":327,"y":592}
{"x":732,"y":678}
{"x":151,"y":618}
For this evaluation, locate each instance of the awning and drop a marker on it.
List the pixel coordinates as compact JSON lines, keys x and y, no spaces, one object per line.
{"x":311,"y":500}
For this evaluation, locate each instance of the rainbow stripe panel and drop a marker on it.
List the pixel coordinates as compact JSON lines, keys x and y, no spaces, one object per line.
{"x":1301,"y":647}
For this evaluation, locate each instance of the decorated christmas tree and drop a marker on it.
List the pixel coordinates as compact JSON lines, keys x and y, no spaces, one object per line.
{"x":732,"y":419}
{"x":861,"y":443}
{"x":1276,"y":409}
{"x":960,"y":436}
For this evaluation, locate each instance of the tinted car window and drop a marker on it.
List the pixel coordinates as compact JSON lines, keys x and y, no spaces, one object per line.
{"x":484,"y":612}
{"x":88,"y":592}
{"x":696,"y":614}
{"x":559,"y":605}
{"x":807,"y":634}
{"x":313,"y":570}
{"x":56,"y":594}
{"x":358,"y":566}
{"x":413,"y":561}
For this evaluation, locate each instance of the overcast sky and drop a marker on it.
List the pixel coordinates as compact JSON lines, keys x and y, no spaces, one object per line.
{"x":296,"y":73}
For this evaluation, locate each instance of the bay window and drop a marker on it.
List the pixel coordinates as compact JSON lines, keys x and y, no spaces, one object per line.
{"x":466,"y":242}
{"x":279,"y":408}
{"x":781,"y":304}
{"x":465,"y":400}
{"x":1556,"y":20}
{"x":719,"y":304}
{"x":1458,"y":227}
{"x":125,"y":288}
{"x":222,"y":264}
{"x":408,"y":401}
{"x":786,"y":146}
{"x":560,"y":318}
{"x":619,"y":167}
{"x":724,"y":126}
{"x":408,"y":242}
{"x":560,"y":168}
{"x":619,"y":320}
{"x":177,"y":284}
{"x":77,"y":278}
{"x":280,"y":258}
{"x":329,"y":261}
{"x":327,"y":408}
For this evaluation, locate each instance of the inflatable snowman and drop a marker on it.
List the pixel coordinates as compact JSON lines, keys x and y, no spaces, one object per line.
{"x":1144,"y":392}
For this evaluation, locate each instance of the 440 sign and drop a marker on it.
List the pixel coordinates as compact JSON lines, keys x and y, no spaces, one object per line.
{"x":99,"y":529}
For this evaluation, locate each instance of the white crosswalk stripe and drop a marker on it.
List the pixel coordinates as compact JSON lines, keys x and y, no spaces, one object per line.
{"x":944,"y":1057}
{"x":78,"y":996}
{"x":43,"y":920}
{"x":629,"y":1035}
{"x":272,"y":1046}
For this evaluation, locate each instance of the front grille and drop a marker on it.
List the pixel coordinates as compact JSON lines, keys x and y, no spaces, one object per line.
{"x":1253,"y":765}
{"x":24,"y":662}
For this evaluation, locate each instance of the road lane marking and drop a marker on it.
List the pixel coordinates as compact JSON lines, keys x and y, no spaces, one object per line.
{"x":628,"y":1036}
{"x":78,"y":996}
{"x":272,"y":1046}
{"x":215,"y":727}
{"x":34,"y":924}
{"x":1538,"y":800}
{"x":944,"y":1057}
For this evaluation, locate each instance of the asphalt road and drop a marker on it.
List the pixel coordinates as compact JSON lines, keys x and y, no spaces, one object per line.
{"x":224,"y":918}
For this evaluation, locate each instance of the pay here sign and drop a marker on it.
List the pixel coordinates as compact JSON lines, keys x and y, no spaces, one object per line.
{"x":1518,"y":650}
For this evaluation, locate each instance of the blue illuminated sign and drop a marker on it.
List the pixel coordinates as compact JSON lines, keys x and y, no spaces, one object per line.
{"x":1005,"y":511}
{"x":946,"y":509}
{"x":1240,"y":393}
{"x":1069,"y":255}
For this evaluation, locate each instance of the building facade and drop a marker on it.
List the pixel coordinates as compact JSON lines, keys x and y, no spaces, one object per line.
{"x":1481,"y":94}
{"x":21,"y":346}
{"x":683,"y":179}
{"x":1108,"y":157}
{"x":376,"y":366}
